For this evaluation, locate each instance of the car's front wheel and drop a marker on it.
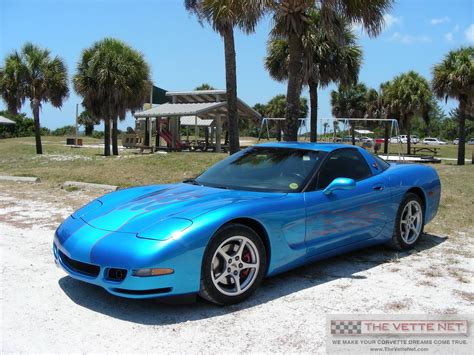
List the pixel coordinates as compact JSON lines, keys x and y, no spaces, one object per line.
{"x":410,"y":222}
{"x":233,"y":266}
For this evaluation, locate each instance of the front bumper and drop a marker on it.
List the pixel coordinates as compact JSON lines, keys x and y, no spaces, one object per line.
{"x":86,"y":255}
{"x":130,"y":287}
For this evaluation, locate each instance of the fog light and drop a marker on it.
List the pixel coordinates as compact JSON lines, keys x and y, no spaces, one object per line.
{"x":151,"y":272}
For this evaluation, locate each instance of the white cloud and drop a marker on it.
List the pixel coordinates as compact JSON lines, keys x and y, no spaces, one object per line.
{"x":390,"y":20}
{"x":409,"y":39}
{"x":438,"y":21}
{"x":456,"y":28}
{"x":469,"y":33}
{"x":449,"y":37}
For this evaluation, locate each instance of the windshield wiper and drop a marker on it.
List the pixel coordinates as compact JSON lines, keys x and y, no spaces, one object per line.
{"x":192,"y":181}
{"x":221,"y":187}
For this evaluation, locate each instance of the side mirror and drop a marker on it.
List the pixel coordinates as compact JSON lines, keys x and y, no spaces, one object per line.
{"x":340,"y":184}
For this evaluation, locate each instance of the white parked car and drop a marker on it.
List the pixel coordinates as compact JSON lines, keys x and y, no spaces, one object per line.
{"x":404,"y":139}
{"x":366,"y":139}
{"x":470,"y":141}
{"x":433,"y":141}
{"x":456,"y":141}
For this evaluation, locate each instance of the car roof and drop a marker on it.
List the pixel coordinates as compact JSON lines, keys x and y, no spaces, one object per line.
{"x":326,"y":147}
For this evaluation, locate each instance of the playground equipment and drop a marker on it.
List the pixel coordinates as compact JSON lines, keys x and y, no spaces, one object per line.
{"x":207,"y":108}
{"x":265,"y":126}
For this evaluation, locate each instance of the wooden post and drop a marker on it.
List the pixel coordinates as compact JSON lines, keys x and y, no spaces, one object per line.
{"x":206,"y":136}
{"x":157,"y":138}
{"x":218,"y":133}
{"x":150,"y":131}
{"x":173,"y":128}
{"x":196,"y":130}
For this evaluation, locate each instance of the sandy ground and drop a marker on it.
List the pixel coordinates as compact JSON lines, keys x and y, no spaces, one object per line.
{"x":44,"y":310}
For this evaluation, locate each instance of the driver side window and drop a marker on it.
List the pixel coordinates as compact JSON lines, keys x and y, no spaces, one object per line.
{"x":347,"y":163}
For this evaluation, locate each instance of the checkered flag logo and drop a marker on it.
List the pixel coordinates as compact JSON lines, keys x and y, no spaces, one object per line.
{"x":346,"y":327}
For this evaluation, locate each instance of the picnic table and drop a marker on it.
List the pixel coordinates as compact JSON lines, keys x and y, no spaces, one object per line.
{"x":433,"y":150}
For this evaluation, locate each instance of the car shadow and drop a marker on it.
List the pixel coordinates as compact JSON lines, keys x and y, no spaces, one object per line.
{"x":155,"y":312}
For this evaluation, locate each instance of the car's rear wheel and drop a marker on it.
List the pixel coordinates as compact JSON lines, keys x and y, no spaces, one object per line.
{"x":233,"y":266}
{"x":410,"y":222}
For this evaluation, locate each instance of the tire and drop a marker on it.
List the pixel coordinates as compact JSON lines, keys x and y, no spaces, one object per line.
{"x":224,"y":278}
{"x":409,"y":223}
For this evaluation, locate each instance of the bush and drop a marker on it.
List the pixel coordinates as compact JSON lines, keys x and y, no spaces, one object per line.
{"x":64,"y":131}
{"x":24,"y":126}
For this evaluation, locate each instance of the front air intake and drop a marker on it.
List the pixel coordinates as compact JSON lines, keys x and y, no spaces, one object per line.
{"x":79,"y":266}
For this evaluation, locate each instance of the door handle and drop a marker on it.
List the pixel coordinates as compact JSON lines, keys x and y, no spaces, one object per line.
{"x":378,"y":187}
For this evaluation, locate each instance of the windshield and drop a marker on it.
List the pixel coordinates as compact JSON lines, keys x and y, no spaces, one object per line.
{"x":264,"y":169}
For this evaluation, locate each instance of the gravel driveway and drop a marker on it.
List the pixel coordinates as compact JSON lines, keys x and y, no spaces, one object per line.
{"x":44,"y":310}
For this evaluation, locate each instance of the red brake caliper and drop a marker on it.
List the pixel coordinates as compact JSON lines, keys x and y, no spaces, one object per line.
{"x":246,"y":258}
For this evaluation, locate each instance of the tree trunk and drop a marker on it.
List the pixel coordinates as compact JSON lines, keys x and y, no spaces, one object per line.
{"x":115,"y":137}
{"x":462,"y":132}
{"x":313,"y":102}
{"x":106,"y":137}
{"x":231,"y":89}
{"x":408,"y":124}
{"x":293,"y":88}
{"x":353,"y":134}
{"x":12,"y":109}
{"x":278,"y":130}
{"x":35,"y":105}
{"x":386,"y":138}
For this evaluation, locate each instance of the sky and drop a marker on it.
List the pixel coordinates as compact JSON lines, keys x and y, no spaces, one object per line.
{"x":183,"y":54}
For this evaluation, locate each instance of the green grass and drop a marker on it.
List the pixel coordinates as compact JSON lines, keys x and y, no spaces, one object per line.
{"x":61,"y":163}
{"x":456,"y":211}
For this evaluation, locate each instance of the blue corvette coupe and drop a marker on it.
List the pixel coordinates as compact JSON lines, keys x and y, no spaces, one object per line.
{"x":262,"y":211}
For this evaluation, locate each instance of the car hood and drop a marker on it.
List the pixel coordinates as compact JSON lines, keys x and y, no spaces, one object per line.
{"x":136,"y":209}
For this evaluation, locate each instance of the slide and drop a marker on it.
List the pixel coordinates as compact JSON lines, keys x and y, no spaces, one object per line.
{"x":166,"y":135}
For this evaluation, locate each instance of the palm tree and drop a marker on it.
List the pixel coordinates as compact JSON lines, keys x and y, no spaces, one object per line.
{"x":276,"y":107}
{"x":223,"y":16}
{"x":325,"y":59}
{"x":385,"y":111}
{"x":88,"y":120}
{"x":454,"y":78}
{"x":373,"y":108}
{"x":11,"y":82}
{"x":291,"y":21}
{"x":325,"y":127}
{"x":112,"y":78}
{"x":409,"y":94}
{"x":34,"y":75}
{"x":349,"y":102}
